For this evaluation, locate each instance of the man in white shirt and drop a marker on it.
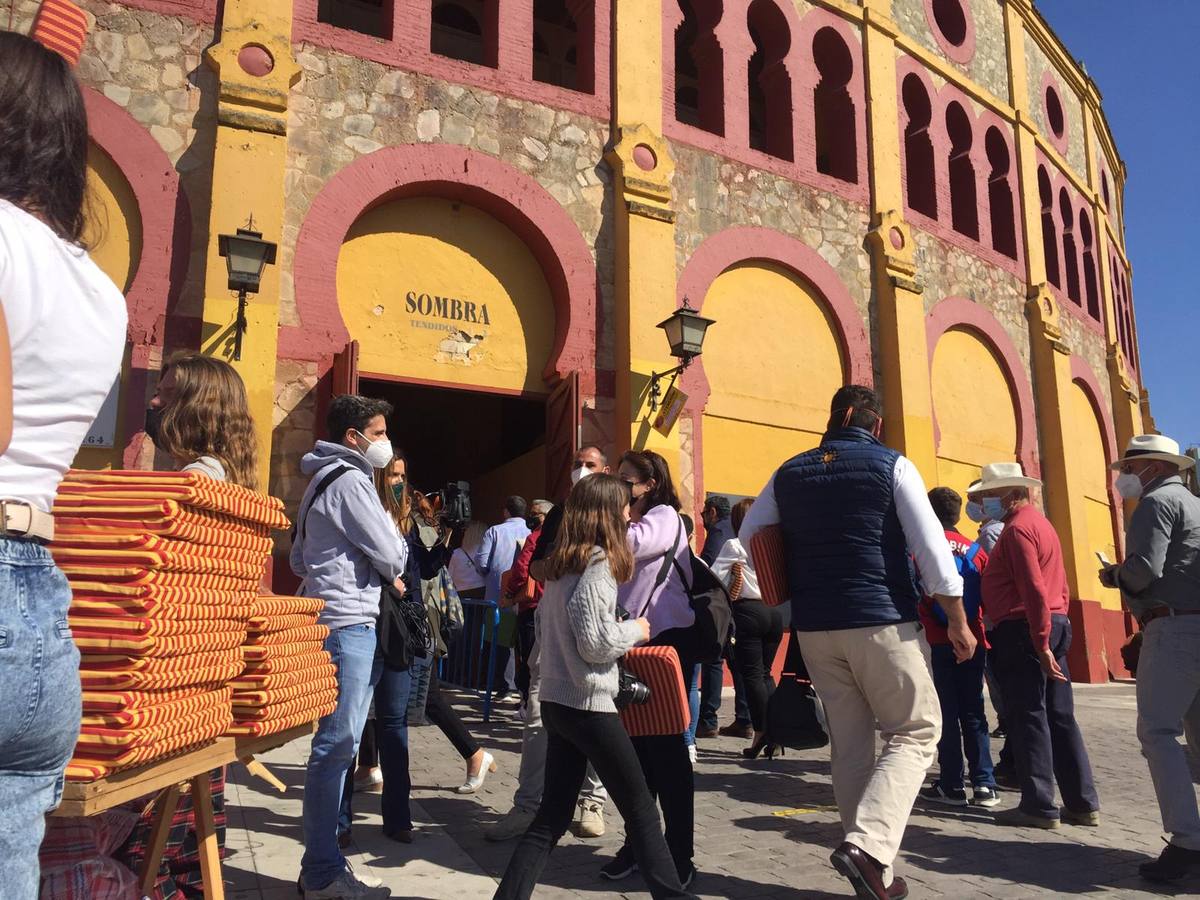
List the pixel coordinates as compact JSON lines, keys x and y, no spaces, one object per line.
{"x":851,"y":512}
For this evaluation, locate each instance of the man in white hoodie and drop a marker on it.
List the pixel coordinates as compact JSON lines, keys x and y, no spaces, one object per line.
{"x":345,"y":547}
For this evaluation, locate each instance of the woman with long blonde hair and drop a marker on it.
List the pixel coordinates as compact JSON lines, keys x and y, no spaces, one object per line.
{"x":200,"y":417}
{"x":580,"y":639}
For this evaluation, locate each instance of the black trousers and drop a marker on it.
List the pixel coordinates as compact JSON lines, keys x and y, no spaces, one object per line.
{"x":759,"y":631}
{"x":524,"y":650}
{"x":1045,"y":738}
{"x":574,"y":738}
{"x":668,"y":769}
{"x":439,"y":711}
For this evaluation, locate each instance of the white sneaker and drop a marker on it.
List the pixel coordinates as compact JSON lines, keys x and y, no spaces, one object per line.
{"x":692,"y":753}
{"x":366,"y":779}
{"x":348,"y":886}
{"x":589,"y":820}
{"x":514,"y":824}
{"x":475,"y":782}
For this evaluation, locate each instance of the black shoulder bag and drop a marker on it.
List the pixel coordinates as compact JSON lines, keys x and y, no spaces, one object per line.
{"x":794,"y":715}
{"x":709,"y":601}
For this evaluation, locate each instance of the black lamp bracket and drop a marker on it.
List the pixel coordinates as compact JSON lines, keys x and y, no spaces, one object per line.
{"x":656,"y":378}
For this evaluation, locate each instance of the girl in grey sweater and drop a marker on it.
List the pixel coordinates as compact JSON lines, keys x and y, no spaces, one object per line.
{"x":579,"y":641}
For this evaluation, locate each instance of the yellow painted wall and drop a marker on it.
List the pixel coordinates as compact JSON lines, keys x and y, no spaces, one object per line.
{"x":525,"y":475}
{"x":114,"y":228}
{"x":974,"y":409}
{"x":1088,"y":440}
{"x":773,"y":360}
{"x":401,"y":250}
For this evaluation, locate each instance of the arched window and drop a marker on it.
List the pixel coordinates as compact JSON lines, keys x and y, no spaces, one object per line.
{"x":833,"y":110}
{"x":770,"y":85}
{"x":466,"y":30}
{"x":1049,"y":231}
{"x":1104,"y":189}
{"x":1070,"y":251}
{"x":1090,"y":292}
{"x":699,"y":67}
{"x":373,"y":17}
{"x":964,"y":209}
{"x":556,"y":44}
{"x":1000,"y":197}
{"x":921,"y":184}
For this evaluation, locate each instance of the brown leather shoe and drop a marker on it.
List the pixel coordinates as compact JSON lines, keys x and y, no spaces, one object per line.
{"x":736,"y":729}
{"x":864,"y":873}
{"x":706,"y":731}
{"x":898,"y":889}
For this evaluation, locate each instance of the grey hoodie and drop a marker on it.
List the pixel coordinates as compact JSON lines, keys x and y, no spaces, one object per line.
{"x":348,"y":545}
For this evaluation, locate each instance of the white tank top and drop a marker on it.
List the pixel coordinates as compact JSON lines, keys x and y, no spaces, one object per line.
{"x":66,"y":330}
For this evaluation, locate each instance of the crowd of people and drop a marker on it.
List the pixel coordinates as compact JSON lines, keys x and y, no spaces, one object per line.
{"x":899,"y":617}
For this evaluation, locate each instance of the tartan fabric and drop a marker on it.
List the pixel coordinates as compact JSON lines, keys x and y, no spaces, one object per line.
{"x":246,"y":703}
{"x":283,"y":723}
{"x":770,"y":564}
{"x":61,"y":26}
{"x":271,"y":605}
{"x":260,"y":625}
{"x":667,"y":711}
{"x":188,"y":488}
{"x":197,"y":561}
{"x":149,"y":627}
{"x":283,"y":665}
{"x":76,"y":857}
{"x":258,"y":653}
{"x":303,"y":635}
{"x":93,"y":642}
{"x":159,"y":714}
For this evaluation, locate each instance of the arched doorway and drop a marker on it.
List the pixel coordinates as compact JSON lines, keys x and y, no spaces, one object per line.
{"x":1087,"y":435}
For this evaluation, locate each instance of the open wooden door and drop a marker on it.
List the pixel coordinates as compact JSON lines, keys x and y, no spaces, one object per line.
{"x":345,"y":370}
{"x":564,"y":424}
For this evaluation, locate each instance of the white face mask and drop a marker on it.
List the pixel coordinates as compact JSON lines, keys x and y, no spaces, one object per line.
{"x":1129,"y":486}
{"x":577,"y":475}
{"x":378,"y":453}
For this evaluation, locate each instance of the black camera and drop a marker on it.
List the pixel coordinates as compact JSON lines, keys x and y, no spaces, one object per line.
{"x":456,"y":504}
{"x":631,"y":690}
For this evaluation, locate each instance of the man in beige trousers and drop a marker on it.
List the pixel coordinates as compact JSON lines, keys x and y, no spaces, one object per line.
{"x":851,"y":512}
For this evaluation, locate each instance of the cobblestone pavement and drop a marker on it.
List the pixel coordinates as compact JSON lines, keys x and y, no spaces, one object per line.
{"x":763,"y":828}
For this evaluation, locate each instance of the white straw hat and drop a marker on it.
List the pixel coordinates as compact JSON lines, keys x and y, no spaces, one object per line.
{"x":1154,"y":446}
{"x":1002,"y":475}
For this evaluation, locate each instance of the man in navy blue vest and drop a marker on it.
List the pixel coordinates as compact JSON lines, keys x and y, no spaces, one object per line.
{"x":854,"y":514}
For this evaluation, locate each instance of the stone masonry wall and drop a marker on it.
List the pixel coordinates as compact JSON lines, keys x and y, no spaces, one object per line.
{"x":1037,"y":64}
{"x":989,"y":65}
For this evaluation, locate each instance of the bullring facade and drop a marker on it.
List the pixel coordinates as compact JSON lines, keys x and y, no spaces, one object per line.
{"x":484,"y":208}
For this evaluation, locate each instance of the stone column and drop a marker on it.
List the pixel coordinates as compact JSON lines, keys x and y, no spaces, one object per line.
{"x":644,"y":225}
{"x":255,"y":71}
{"x":903,"y":353}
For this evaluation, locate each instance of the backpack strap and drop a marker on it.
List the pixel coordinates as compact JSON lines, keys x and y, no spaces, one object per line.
{"x":322,"y":487}
{"x":668,"y":558}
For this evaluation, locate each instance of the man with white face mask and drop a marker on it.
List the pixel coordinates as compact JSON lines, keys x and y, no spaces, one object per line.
{"x":589,"y":811}
{"x":1160,"y":584}
{"x":345,"y":547}
{"x":1026,"y":594}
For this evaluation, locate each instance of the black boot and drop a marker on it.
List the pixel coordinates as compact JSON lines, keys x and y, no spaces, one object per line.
{"x":1173,"y":864}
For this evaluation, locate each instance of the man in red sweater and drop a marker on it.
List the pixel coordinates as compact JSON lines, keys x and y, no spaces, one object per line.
{"x":1025,"y":593}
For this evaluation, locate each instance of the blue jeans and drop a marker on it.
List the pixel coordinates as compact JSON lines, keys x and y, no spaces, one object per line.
{"x":693,"y":705}
{"x":39,"y":696}
{"x":391,"y":730}
{"x":964,"y":722}
{"x":333,"y":749}
{"x":712,"y":682}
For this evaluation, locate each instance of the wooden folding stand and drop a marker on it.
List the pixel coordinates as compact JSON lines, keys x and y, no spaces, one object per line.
{"x":167,"y":778}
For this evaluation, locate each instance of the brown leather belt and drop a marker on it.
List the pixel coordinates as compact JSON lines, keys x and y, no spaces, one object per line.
{"x":1159,"y":612}
{"x":20,"y":519}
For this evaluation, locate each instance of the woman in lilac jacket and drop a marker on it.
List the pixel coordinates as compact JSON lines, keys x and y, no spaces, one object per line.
{"x":657,"y":593}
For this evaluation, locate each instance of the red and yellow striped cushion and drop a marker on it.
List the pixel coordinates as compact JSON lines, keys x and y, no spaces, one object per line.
{"x":110,"y":541}
{"x":667,"y":711}
{"x":113,"y":701}
{"x":282,"y":722}
{"x":197,"y":561}
{"x":166,"y":518}
{"x":169,"y":710}
{"x":95,"y":642}
{"x":302,"y":635}
{"x":139,"y":627}
{"x":246,"y":702}
{"x":138,"y":576}
{"x":272,"y":605}
{"x":280,"y":665}
{"x":99,"y":743}
{"x":169,"y":593}
{"x":62,"y":27}
{"x":770,"y":564}
{"x":196,"y":613}
{"x":122,"y":673}
{"x":260,"y":625}
{"x":257,"y":653}
{"x":251,"y":683}
{"x":87,"y":767}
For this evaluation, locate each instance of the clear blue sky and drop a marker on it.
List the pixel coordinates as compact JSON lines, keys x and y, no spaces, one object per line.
{"x":1142,"y":57}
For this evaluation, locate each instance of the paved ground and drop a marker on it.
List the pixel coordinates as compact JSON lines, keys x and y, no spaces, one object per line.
{"x":763,"y":828}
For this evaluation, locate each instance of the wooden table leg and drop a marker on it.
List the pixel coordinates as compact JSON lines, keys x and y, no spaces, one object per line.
{"x":254,"y":767}
{"x":206,"y":838}
{"x":164,"y":812}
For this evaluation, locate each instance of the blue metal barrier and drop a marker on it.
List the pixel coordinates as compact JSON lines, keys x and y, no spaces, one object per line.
{"x":464,"y":665}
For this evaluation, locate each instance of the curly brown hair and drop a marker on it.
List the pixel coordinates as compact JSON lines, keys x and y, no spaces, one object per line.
{"x":593,"y":516}
{"x":209,"y":416}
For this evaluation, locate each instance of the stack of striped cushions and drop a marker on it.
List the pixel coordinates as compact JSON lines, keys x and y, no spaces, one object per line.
{"x":165,"y":570}
{"x":288,"y":679}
